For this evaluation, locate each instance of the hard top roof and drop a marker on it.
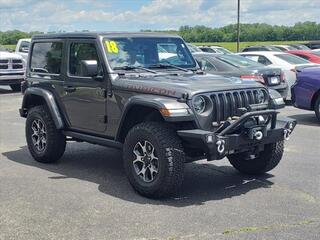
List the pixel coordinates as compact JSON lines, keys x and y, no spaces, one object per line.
{"x":103,"y":34}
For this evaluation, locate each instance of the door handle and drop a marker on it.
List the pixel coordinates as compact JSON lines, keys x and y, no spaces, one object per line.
{"x":70,"y":89}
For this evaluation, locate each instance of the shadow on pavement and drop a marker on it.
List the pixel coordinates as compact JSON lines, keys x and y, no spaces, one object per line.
{"x":203,"y":182}
{"x":309,"y":119}
{"x":6,"y":91}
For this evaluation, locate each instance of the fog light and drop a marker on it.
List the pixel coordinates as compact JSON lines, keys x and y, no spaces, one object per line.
{"x":291,"y":126}
{"x":209,"y":139}
{"x":261,"y":120}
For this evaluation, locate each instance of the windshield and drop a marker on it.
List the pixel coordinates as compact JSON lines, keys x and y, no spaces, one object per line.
{"x":239,"y":61}
{"x":223,"y":50}
{"x":292,"y":59}
{"x":147,"y":52}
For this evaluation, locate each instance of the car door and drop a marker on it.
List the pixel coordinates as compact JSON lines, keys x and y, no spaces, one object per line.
{"x":84,"y":97}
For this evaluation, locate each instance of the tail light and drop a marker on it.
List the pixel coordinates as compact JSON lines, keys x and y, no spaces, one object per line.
{"x":258,"y":78}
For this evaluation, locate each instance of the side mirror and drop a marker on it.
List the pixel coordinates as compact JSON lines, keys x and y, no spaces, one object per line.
{"x":89,"y":68}
{"x":25,"y":49}
{"x":199,"y":63}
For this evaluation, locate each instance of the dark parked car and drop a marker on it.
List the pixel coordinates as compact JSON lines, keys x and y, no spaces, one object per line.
{"x":306,"y":91}
{"x":313,"y":44}
{"x":260,"y":48}
{"x":120,"y":90}
{"x":238,"y":66}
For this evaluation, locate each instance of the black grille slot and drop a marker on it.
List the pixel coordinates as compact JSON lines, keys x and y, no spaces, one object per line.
{"x":16,"y":61}
{"x":3,"y":66}
{"x":226,"y":104}
{"x":4,"y":61}
{"x":16,"y":66}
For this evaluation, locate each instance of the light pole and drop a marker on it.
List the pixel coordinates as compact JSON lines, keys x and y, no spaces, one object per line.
{"x":238,"y":27}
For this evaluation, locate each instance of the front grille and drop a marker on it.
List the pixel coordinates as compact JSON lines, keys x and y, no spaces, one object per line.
{"x":11,"y":64}
{"x":226,"y":104}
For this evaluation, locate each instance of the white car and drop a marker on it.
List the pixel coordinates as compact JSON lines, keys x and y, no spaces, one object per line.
{"x":284,"y":47}
{"x":287,"y":62}
{"x":215,"y":49}
{"x":12,"y":69}
{"x":22,"y":48}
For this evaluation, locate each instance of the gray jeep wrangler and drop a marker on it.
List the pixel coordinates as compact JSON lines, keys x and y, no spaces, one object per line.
{"x":145,"y":94}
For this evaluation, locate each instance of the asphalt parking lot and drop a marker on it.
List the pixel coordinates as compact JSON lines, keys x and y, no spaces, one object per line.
{"x":87,"y":196}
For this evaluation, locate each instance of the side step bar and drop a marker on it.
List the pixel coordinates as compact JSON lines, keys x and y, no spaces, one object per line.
{"x":93,"y":139}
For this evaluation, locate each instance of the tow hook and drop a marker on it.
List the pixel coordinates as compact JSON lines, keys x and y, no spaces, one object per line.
{"x":220,"y":146}
{"x":258,"y":135}
{"x":286,"y":134}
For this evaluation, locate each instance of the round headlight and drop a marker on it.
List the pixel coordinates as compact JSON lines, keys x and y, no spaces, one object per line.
{"x":261,"y":96}
{"x":199,"y":104}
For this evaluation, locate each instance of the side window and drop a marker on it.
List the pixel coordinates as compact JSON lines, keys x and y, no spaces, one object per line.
{"x":207,"y":66}
{"x":24,"y":46}
{"x":46,"y":57}
{"x":263,"y":60}
{"x":252,"y":57}
{"x":79,"y":52}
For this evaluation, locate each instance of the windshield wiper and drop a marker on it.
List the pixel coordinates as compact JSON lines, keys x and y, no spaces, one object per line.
{"x":165,"y":65}
{"x":134,"y":68}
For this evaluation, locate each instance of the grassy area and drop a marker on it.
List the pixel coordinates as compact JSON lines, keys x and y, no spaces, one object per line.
{"x":13,"y":47}
{"x":232,"y":46}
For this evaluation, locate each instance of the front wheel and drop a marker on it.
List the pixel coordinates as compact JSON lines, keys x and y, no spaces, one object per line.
{"x":45,"y":142}
{"x":153,"y":159}
{"x":265,"y":161}
{"x":317,"y":108}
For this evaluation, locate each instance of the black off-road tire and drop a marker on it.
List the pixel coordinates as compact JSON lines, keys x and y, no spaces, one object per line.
{"x":16,"y":87}
{"x":267,"y":160}
{"x":55,"y":140}
{"x":170,"y":155}
{"x":317,"y":107}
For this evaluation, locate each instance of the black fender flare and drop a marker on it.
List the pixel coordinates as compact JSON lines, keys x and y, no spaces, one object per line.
{"x":157,"y":103}
{"x":50,"y":101}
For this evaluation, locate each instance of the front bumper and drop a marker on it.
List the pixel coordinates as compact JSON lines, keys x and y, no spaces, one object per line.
{"x":7,"y":78}
{"x":237,"y":138}
{"x":282,"y":88}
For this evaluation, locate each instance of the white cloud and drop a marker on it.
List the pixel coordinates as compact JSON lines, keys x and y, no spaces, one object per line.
{"x":30,"y":15}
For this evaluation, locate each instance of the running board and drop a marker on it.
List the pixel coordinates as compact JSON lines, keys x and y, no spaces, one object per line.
{"x":93,"y":139}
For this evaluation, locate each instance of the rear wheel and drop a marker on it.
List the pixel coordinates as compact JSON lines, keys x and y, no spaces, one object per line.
{"x":265,"y":161}
{"x":153,"y":159}
{"x":15,"y":87}
{"x":46,"y":143}
{"x":317,"y":107}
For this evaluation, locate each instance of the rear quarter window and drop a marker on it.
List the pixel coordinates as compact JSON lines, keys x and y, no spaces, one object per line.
{"x":46,"y":58}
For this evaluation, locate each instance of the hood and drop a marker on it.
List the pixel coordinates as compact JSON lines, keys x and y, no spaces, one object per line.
{"x":176,"y":85}
{"x":9,"y":55}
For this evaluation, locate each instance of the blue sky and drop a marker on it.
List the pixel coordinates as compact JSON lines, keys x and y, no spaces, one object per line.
{"x":134,"y":15}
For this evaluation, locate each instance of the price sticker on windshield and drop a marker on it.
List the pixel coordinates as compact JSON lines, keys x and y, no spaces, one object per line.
{"x":112,"y":46}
